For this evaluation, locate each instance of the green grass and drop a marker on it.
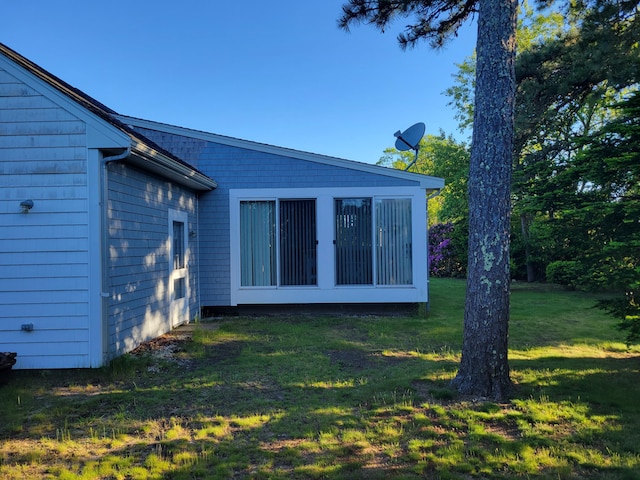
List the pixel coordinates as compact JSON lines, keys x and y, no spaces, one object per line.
{"x":340,"y":397}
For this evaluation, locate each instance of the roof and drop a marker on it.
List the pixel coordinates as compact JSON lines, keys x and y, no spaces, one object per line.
{"x":147,"y":154}
{"x":425,"y":181}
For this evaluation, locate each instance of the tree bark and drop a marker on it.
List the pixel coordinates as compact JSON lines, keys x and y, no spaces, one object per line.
{"x":525,"y":229}
{"x":484,"y":368}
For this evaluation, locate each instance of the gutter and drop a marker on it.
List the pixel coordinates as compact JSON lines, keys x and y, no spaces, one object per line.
{"x":157,"y":162}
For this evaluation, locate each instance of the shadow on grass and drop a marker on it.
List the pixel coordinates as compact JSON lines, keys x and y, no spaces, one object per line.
{"x":322,"y":400}
{"x":608,"y":382}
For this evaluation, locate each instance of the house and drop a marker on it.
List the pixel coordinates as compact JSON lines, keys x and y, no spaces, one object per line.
{"x":288,"y":227}
{"x":95,"y":251}
{"x":114,"y":231}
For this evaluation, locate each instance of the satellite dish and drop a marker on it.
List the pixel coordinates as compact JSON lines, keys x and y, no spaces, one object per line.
{"x":410,"y":138}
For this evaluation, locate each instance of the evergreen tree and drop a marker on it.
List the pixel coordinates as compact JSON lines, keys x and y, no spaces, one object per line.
{"x":484,"y":368}
{"x":570,"y":68}
{"x":610,"y":169}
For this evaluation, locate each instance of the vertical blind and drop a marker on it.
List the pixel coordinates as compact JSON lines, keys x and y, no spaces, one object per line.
{"x":298,"y":242}
{"x":393,"y":241}
{"x":257,"y":243}
{"x":357,"y":222}
{"x":353,"y":241}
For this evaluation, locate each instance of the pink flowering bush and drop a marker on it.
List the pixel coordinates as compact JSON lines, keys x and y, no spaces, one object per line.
{"x":443,"y":260}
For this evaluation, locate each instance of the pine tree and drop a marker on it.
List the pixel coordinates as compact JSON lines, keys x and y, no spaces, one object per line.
{"x":484,"y":369}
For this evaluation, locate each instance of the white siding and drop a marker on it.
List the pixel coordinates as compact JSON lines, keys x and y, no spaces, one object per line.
{"x":44,"y":270}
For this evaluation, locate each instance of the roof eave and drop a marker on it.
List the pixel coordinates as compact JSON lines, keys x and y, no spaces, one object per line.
{"x":158,"y":163}
{"x":424,"y":181}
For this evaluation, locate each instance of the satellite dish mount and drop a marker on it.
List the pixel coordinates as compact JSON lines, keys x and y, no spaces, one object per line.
{"x":410,"y":140}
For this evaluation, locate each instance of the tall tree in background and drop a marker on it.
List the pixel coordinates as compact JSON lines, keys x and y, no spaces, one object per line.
{"x":441,"y":156}
{"x":612,"y":163}
{"x":574,"y":61}
{"x":484,"y":368}
{"x":535,"y":27}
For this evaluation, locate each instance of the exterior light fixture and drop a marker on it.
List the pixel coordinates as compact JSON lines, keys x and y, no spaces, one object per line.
{"x":26,"y":206}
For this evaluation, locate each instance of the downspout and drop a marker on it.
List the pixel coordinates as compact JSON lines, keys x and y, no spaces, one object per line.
{"x":198,"y":261}
{"x":104,"y":245}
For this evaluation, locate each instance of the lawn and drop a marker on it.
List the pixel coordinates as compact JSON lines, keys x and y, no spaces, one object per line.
{"x":362,"y":397}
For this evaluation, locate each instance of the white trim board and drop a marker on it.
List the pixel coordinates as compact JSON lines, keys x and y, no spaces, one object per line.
{"x":326,"y":291}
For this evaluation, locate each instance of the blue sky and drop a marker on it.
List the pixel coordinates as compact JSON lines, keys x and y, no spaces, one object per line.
{"x":277,"y":72}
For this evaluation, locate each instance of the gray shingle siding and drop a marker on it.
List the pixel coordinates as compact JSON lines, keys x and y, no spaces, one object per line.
{"x":233,"y":168}
{"x":138,"y":226}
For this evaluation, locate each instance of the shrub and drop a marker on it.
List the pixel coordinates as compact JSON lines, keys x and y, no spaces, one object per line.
{"x":564,"y":272}
{"x":443,"y":261}
{"x":626,"y":308}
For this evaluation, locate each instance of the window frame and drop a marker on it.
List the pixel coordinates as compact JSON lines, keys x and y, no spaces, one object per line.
{"x":277,"y":252}
{"x":178,"y":305}
{"x":327,"y":291}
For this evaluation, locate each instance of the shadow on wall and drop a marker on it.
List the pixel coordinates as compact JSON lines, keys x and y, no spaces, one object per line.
{"x":140,"y":255}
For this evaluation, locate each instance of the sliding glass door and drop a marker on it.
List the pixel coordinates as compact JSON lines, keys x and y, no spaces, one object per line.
{"x":354,"y":262}
{"x":373,"y":242}
{"x":357,"y":220}
{"x":293,"y":230}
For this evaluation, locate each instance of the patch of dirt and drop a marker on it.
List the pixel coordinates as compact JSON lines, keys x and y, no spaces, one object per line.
{"x":170,"y":345}
{"x":507,"y":431}
{"x":353,"y":359}
{"x":224,"y":351}
{"x":164,"y":346}
{"x":350,"y":333}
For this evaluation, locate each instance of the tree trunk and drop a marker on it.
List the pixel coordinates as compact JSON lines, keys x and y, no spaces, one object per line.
{"x":525,"y":227}
{"x":484,"y":368}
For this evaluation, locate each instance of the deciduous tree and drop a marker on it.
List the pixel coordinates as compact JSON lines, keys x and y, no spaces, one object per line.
{"x":441,"y":156}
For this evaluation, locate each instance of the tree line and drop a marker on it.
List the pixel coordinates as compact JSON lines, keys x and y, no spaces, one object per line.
{"x":550,"y":96}
{"x":575,"y":187}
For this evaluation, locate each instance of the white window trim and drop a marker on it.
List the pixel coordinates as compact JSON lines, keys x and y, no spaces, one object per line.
{"x":183,"y":217}
{"x":327,"y":291}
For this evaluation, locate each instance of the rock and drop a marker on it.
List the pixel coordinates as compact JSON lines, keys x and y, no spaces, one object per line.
{"x":7,"y":361}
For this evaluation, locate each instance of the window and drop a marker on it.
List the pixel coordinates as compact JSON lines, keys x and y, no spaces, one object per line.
{"x":354,"y":265}
{"x":393,"y":241}
{"x":257,"y":243}
{"x":286,"y":255}
{"x":179,"y":288}
{"x":355,"y":260}
{"x":178,"y":245}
